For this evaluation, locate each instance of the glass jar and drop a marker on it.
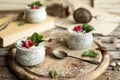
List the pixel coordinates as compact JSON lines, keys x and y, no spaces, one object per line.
{"x":35,"y":15}
{"x":79,"y":41}
{"x":29,"y":56}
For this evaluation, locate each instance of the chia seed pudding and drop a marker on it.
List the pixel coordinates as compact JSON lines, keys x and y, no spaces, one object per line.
{"x":78,"y":38}
{"x":28,"y":54}
{"x":35,"y":12}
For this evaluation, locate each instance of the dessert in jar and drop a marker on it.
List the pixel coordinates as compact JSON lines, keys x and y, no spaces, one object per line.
{"x":80,"y":36}
{"x":35,"y":12}
{"x":28,"y":53}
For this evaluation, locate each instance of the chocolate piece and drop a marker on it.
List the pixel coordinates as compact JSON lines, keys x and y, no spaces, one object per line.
{"x":82,"y":15}
{"x":58,"y":10}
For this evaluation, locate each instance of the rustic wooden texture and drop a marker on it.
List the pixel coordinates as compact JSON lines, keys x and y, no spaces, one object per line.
{"x":74,"y":70}
{"x":107,"y":6}
{"x":114,"y":75}
{"x":100,"y":4}
{"x":101,"y":24}
{"x":27,"y":29}
{"x":15,"y":5}
{"x":20,"y":5}
{"x":13,"y":31}
{"x":6,"y":74}
{"x":95,"y":3}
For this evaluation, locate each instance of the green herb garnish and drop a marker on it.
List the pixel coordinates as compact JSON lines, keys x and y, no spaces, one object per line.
{"x":53,"y":73}
{"x":38,"y":3}
{"x":90,"y":53}
{"x":36,"y":38}
{"x":87,"y":28}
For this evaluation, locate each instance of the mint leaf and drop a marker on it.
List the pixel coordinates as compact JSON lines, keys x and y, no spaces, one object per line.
{"x":36,"y":38}
{"x":90,"y":53}
{"x":35,"y":3}
{"x":38,"y":3}
{"x":40,"y":38}
{"x":87,"y":28}
{"x":53,"y":73}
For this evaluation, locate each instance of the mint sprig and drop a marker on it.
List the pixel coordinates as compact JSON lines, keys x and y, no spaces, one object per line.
{"x":90,"y":53}
{"x":88,"y":28}
{"x":38,"y":3}
{"x":36,"y":38}
{"x":53,"y":73}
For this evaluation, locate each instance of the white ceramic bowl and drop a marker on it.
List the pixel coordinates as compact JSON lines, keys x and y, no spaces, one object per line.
{"x":30,"y":56}
{"x":79,"y":41}
{"x":35,"y":15}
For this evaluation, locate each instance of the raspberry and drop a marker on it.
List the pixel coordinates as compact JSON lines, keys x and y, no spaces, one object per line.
{"x":35,"y":7}
{"x":77,"y":28}
{"x":30,"y":42}
{"x":26,"y":44}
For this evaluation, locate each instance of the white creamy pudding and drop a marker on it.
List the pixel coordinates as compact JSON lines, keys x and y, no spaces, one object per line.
{"x":78,"y":38}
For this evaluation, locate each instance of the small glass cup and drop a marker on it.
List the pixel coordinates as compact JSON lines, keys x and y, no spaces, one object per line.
{"x":29,"y":56}
{"x":79,"y":41}
{"x":35,"y":15}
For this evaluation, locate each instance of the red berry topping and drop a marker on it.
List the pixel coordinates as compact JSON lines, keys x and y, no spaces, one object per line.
{"x":30,"y":42}
{"x":77,"y":28}
{"x":35,"y":7}
{"x":27,"y":43}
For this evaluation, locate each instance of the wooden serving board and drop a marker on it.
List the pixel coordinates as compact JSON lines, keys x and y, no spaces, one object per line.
{"x":68,"y":68}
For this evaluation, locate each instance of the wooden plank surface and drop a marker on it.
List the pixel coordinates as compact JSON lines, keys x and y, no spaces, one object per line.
{"x":15,"y":4}
{"x":10,"y":76}
{"x":20,"y":4}
{"x":111,"y":6}
{"x":100,"y":4}
{"x":81,"y":70}
{"x":103,"y":25}
{"x":13,"y":32}
{"x":7,"y":74}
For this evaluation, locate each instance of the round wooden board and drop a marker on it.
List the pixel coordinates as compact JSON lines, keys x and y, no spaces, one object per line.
{"x":67,"y":69}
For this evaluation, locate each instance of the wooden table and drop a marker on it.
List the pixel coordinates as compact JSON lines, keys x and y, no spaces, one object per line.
{"x":111,"y":74}
{"x":6,"y":74}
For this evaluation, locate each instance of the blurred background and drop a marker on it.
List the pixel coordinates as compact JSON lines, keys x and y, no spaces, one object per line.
{"x":111,"y":6}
